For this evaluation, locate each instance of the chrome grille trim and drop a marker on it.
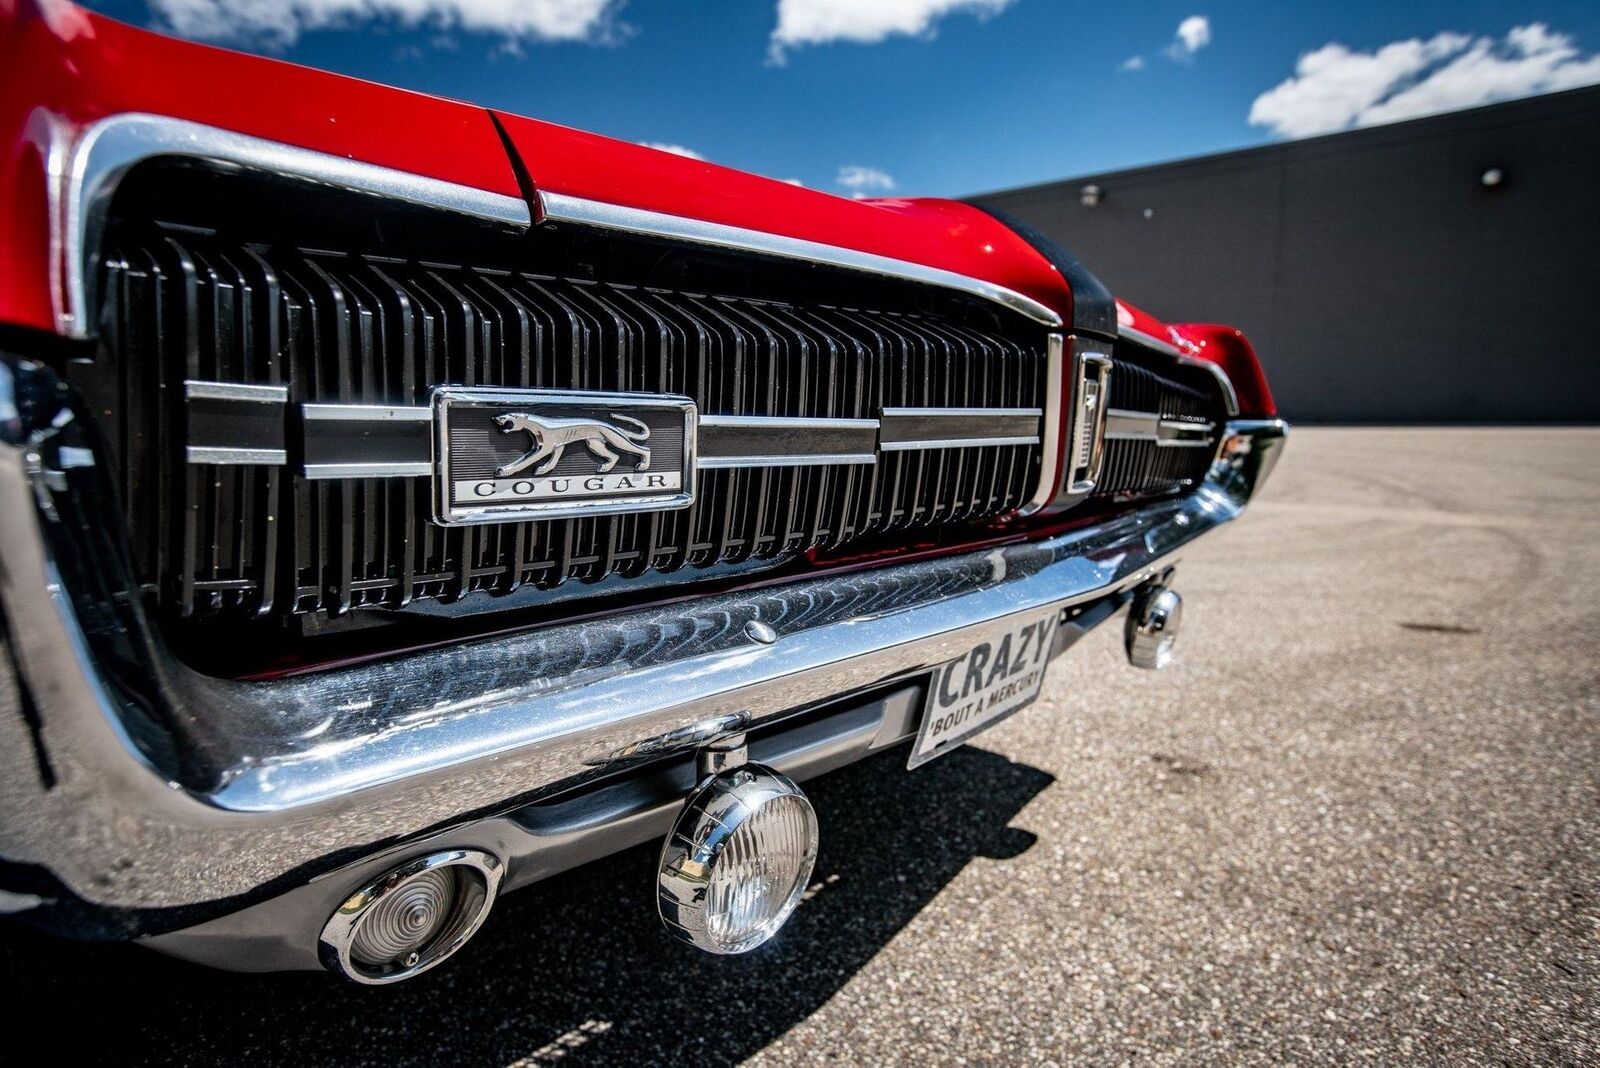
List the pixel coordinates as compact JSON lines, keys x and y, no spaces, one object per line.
{"x":1150,"y":341}
{"x":1092,"y":374}
{"x":226,"y":457}
{"x":957,"y":428}
{"x":106,"y":150}
{"x":233,"y":424}
{"x":194,"y":389}
{"x":1161,"y":422}
{"x":346,"y":422}
{"x":562,"y":208}
{"x":1125,"y":425}
{"x":829,"y":441}
{"x":1051,"y":430}
{"x":331,"y":433}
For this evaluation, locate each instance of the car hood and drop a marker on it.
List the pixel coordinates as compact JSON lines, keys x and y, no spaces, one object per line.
{"x":69,"y":68}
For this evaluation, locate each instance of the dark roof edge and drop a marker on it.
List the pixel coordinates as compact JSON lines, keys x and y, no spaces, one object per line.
{"x":1583,"y":96}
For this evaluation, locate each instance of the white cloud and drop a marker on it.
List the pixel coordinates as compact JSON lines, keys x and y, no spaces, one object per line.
{"x":810,"y":22}
{"x":1132,"y":63}
{"x":1335,"y":88}
{"x":676,"y":150}
{"x":1193,"y":34}
{"x":864,"y":181}
{"x":277,"y":23}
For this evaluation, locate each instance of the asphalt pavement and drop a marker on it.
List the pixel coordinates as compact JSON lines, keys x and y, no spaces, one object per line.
{"x":1358,"y":818}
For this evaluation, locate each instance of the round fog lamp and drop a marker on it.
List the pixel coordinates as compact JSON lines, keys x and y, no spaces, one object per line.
{"x":736,"y":863}
{"x":1152,"y":628}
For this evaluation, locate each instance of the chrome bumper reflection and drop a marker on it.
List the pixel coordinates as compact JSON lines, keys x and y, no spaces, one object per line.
{"x":241,"y":786}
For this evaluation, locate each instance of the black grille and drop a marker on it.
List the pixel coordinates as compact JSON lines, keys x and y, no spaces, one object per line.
{"x":1155,"y":383}
{"x":338,"y":328}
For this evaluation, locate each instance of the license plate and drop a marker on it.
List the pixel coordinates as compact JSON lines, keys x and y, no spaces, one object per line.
{"x":983,"y":686}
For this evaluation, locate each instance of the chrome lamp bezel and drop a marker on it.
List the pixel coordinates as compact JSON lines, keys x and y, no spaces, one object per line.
{"x":339,"y":934}
{"x":714,"y":813}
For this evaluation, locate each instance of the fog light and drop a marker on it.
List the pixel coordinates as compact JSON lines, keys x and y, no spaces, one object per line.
{"x":736,"y":863}
{"x":412,"y":918}
{"x":1153,"y":622}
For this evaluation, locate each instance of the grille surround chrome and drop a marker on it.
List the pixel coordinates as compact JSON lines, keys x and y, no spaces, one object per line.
{"x":370,"y":491}
{"x":94,"y":160}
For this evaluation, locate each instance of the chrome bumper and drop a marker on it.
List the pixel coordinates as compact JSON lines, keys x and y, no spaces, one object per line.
{"x":234,"y":790}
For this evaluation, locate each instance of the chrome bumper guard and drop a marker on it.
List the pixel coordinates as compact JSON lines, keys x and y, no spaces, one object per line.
{"x":140,"y":784}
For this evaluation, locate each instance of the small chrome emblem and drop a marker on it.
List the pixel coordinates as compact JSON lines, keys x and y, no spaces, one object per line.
{"x":502,"y":455}
{"x":552,"y":436}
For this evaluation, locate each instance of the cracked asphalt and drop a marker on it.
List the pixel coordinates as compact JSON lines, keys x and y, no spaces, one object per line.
{"x":1358,"y":818}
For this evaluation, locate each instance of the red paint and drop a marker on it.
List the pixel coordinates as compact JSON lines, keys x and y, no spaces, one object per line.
{"x":1231,"y":350}
{"x":935,"y":233}
{"x":82,"y":67}
{"x":1222,"y":345}
{"x":1129,"y":317}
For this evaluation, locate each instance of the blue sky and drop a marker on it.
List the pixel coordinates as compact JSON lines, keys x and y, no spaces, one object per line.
{"x":937,"y":97}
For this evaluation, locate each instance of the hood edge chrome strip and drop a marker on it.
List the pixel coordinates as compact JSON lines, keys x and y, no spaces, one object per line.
{"x":104,"y":151}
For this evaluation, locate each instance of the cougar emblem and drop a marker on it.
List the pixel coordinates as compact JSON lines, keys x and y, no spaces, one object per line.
{"x":551,"y":438}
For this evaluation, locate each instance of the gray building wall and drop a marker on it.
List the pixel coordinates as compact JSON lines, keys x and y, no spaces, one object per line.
{"x":1379,"y":278}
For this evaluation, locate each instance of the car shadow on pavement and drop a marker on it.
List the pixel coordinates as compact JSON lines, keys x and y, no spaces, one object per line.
{"x":574,"y":970}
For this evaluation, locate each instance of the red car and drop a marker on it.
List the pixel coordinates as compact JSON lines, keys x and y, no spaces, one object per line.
{"x":401,"y":502}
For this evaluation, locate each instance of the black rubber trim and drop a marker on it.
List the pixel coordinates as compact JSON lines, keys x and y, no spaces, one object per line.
{"x":1094,"y":309}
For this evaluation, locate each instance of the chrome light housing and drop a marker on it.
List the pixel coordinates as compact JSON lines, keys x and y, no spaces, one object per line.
{"x":1152,"y":628}
{"x":412,"y":918}
{"x":737,"y":862}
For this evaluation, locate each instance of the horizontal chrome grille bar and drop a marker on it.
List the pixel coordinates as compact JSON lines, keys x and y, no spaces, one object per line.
{"x":959,"y":443}
{"x":954,"y":428}
{"x":714,"y":463}
{"x":385,"y":469}
{"x":366,"y":441}
{"x":380,"y":441}
{"x":1124,"y":425}
{"x":364,"y":413}
{"x":233,"y":423}
{"x":198,"y":390}
{"x":780,"y":441}
{"x":205,"y":454}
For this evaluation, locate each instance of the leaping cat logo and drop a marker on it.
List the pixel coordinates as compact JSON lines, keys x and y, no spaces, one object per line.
{"x":552,"y":436}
